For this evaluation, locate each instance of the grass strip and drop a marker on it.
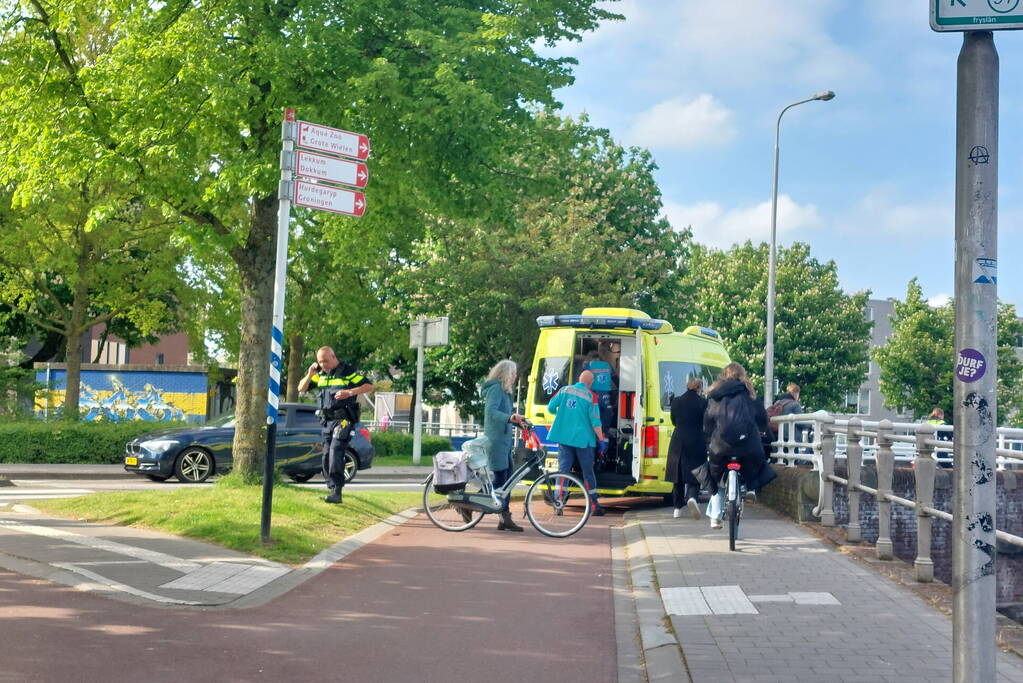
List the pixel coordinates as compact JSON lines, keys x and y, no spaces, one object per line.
{"x":228,"y":514}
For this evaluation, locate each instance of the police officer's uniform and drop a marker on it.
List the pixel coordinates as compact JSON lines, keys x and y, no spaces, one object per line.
{"x":338,"y":418}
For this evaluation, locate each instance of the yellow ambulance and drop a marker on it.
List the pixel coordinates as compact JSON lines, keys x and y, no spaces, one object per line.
{"x":650,"y":363}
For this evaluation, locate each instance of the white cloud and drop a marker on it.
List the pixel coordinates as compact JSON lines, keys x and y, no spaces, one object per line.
{"x":677,"y":123}
{"x":938,"y":300}
{"x":716,"y":226}
{"x":879,"y":212}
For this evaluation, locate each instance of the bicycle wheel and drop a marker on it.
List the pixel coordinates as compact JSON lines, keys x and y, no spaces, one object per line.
{"x":448,"y":516}
{"x":558,"y":505}
{"x":733,"y":508}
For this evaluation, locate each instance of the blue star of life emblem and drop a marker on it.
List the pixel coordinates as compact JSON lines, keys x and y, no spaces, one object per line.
{"x":550,"y":381}
{"x":668,"y":382}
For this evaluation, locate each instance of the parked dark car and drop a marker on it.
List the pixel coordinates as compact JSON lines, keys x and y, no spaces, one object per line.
{"x":194,"y":454}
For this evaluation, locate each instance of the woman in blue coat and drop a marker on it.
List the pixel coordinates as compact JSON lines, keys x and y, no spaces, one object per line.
{"x":499,"y":416}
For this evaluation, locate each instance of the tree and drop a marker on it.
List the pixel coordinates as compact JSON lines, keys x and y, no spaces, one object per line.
{"x":821,"y":334}
{"x":435,"y":84}
{"x":917,"y":362}
{"x":79,"y":244}
{"x":588,"y":235}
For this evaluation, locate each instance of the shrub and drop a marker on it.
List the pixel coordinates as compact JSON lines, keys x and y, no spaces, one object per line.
{"x":400,"y":443}
{"x":34,"y":441}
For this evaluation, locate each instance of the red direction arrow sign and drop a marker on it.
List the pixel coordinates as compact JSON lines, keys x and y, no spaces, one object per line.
{"x":329,"y":198}
{"x":333,"y":140}
{"x":332,"y":169}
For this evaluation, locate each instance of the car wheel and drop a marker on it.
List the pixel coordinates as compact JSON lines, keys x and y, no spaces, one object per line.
{"x":351,"y":466}
{"x":157,"y":477}
{"x":193,"y":466}
{"x":301,"y":478}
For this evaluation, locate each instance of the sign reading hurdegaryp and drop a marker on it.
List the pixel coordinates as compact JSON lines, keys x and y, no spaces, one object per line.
{"x":976,"y":15}
{"x":329,"y":198}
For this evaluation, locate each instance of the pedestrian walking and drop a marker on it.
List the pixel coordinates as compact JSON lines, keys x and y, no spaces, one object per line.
{"x":687,"y":449}
{"x":338,"y":385}
{"x":499,"y":416}
{"x":577,"y":431}
{"x":732,"y":424}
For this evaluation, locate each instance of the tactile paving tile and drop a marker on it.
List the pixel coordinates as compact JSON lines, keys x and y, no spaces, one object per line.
{"x":249,"y":580}
{"x":728,"y":600}
{"x":815,"y":599}
{"x":209,"y":575}
{"x":684,"y":602}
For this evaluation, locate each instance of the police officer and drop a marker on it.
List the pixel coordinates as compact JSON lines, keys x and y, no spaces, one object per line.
{"x":339,"y":384}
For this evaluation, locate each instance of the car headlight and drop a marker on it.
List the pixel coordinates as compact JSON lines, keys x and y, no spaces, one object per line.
{"x":159,"y":445}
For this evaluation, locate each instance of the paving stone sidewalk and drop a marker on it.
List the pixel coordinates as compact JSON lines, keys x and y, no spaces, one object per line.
{"x":784,"y":607}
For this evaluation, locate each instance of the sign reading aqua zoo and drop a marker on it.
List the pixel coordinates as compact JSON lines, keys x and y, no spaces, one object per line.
{"x":976,"y":15}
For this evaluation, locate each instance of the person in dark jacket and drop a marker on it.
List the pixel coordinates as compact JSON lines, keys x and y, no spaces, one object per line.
{"x":732,"y":385}
{"x":687,"y":449}
{"x":499,"y":416}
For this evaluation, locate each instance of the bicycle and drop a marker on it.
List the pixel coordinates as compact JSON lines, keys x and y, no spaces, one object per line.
{"x":547,"y":499}
{"x":735,"y":493}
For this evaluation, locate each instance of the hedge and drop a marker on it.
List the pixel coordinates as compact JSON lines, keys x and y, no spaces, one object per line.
{"x":35,"y":441}
{"x":400,"y":443}
{"x":71,"y":442}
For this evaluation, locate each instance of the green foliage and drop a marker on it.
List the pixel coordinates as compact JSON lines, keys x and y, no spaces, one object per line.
{"x":17,"y":386}
{"x":228,"y":514}
{"x":35,"y":441}
{"x":588,"y":234}
{"x":821,"y":334}
{"x":388,"y":444}
{"x":917,"y":363}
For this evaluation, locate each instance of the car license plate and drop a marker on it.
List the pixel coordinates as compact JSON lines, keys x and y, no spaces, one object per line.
{"x":131,"y":460}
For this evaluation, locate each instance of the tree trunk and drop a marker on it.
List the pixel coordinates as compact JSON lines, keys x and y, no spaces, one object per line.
{"x":255,"y":260}
{"x":296,"y":364}
{"x":75,"y":329}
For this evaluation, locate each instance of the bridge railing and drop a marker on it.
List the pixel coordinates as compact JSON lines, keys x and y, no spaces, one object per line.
{"x":820,"y":440}
{"x":432,"y":428}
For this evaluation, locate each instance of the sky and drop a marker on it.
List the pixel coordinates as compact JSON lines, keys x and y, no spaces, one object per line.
{"x":867,"y":179}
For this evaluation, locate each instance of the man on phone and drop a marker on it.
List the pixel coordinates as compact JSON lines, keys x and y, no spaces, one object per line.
{"x":339,"y":384}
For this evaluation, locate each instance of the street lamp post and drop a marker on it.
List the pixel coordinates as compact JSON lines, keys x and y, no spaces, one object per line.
{"x":771,"y":274}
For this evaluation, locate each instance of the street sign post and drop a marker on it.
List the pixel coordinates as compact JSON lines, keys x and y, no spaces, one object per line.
{"x":331,"y":169}
{"x":976,"y":15}
{"x":329,"y":198}
{"x":313,"y":195}
{"x":423,"y":332}
{"x":333,"y":140}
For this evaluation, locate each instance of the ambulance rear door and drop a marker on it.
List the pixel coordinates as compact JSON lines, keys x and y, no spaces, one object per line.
{"x":552,"y":370}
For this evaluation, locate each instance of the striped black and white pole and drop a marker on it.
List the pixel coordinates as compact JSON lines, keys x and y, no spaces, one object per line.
{"x":277,"y":333}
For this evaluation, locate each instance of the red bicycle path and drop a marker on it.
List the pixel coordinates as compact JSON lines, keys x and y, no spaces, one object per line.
{"x":418,"y":604}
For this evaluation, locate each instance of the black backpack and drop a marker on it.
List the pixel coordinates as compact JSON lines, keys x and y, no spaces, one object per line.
{"x":736,"y":424}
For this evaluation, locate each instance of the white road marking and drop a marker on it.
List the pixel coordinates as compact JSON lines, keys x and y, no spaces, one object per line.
{"x":104,"y":582}
{"x":153,"y":556}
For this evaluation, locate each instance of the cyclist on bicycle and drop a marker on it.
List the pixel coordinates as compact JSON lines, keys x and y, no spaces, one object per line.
{"x":733,"y":423}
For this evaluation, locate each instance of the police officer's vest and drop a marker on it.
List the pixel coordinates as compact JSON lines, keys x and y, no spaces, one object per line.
{"x":344,"y":376}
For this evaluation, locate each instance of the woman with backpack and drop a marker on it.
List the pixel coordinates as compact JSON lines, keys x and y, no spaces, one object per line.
{"x":733,"y":424}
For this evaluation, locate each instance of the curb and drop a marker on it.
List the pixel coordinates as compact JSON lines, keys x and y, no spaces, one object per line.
{"x":7,"y":474}
{"x":662,"y":655}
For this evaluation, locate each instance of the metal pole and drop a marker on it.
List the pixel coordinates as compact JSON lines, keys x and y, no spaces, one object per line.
{"x":772,"y":266}
{"x":277,"y":333}
{"x":417,"y":434}
{"x":976,"y":371}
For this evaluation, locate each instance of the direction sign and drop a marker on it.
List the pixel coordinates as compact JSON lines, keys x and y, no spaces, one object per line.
{"x":976,"y":15}
{"x":332,"y":169}
{"x":329,"y":198}
{"x":333,"y":140}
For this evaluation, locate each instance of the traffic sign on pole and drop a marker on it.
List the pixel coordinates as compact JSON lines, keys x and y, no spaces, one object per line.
{"x":976,"y":15}
{"x":333,"y":140}
{"x":329,"y":198}
{"x":331,"y":169}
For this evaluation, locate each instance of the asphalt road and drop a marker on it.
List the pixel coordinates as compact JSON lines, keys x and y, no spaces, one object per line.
{"x":419,"y":604}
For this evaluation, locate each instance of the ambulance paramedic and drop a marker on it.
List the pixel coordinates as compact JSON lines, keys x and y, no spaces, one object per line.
{"x":339,"y":384}
{"x":576,"y":430}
